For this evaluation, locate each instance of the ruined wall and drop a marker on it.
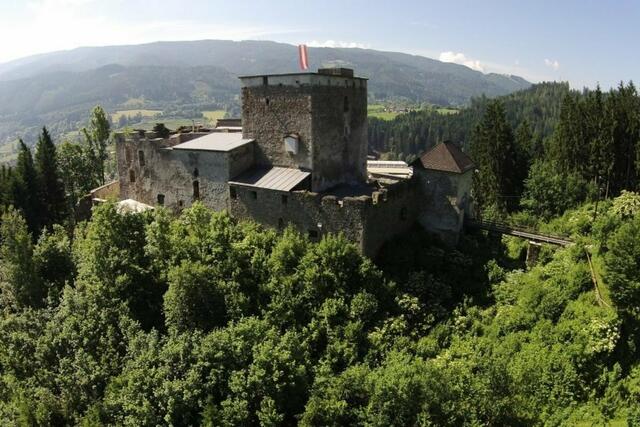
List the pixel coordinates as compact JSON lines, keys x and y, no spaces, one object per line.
{"x":446,"y":199}
{"x":368,"y":221}
{"x":329,"y":114}
{"x":152,"y":173}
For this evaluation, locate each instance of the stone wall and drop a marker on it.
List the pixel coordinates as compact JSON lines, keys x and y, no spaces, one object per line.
{"x":368,"y":221}
{"x":340,"y":137}
{"x":153,"y":173}
{"x":269,"y":114}
{"x":446,"y":200}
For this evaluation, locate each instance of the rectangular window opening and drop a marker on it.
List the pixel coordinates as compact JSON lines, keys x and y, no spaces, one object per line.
{"x":233,"y":193}
{"x":141,"y":157}
{"x":284,"y":199}
{"x":254,"y":195}
{"x":161,"y":199}
{"x":196,"y":190}
{"x":132,"y":176}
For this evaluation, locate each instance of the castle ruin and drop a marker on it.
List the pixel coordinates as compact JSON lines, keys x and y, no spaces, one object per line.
{"x":299,"y":158}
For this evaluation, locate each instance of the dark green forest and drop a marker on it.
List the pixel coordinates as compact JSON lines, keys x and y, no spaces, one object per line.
{"x":198,"y":319}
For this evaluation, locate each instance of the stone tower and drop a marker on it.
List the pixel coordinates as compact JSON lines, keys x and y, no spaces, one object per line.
{"x":316,"y":122}
{"x":444,"y":174}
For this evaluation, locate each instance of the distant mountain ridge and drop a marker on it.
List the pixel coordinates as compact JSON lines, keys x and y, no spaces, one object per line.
{"x":47,"y":88}
{"x":399,"y":74}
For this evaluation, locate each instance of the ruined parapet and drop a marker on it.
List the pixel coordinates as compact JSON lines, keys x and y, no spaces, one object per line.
{"x":368,"y":220}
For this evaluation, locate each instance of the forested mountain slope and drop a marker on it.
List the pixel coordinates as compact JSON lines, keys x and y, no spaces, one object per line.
{"x":57,"y":89}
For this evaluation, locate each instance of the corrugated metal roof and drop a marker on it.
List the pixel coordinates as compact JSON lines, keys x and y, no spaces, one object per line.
{"x":276,"y":178}
{"x":215,"y":141}
{"x":446,"y":157}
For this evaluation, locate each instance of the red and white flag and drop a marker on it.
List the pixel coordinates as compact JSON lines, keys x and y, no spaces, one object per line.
{"x":302,"y":53}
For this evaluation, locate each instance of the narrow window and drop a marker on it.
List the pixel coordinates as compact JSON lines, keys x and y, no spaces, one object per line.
{"x":254,"y":195}
{"x":141,"y":157}
{"x":284,"y":199}
{"x":403,"y":214}
{"x":132,"y":175}
{"x":280,"y":223}
{"x":160,"y":199}
{"x":265,"y":81}
{"x":180,"y":203}
{"x":196,"y":173}
{"x":266,"y":101}
{"x":346,"y":104}
{"x":196,"y":190}
{"x":233,"y":193}
{"x":127,"y":155}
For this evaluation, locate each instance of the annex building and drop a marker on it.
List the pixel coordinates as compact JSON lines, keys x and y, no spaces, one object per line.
{"x":299,"y":157}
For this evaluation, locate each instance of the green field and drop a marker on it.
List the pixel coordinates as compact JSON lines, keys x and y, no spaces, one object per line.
{"x":377,"y":110}
{"x":132,"y":113}
{"x":213,"y":116}
{"x":446,"y":110}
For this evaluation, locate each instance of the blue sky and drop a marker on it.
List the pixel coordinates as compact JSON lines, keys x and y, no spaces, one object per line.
{"x":585,"y":42}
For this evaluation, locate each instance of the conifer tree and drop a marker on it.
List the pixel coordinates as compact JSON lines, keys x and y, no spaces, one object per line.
{"x":52,"y":195}
{"x":494,"y":152}
{"x":25,"y":189}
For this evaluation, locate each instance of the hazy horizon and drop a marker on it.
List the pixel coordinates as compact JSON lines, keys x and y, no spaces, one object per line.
{"x":585,"y":43}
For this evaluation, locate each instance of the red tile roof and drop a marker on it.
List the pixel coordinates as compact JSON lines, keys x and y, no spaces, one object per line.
{"x":446,"y":157}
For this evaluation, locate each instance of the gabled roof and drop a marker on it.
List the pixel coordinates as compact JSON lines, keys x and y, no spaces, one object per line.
{"x":276,"y":178}
{"x":445,"y":157}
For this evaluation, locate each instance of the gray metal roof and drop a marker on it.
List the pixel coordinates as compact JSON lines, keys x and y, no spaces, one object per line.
{"x":276,"y":178}
{"x":215,"y":141}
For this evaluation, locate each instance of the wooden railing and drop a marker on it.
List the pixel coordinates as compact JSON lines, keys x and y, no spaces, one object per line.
{"x":518,"y":231}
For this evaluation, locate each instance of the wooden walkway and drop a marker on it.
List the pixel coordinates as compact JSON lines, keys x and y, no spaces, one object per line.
{"x":522,"y":232}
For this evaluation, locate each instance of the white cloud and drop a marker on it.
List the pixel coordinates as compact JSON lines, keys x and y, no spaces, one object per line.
{"x":336,"y":43}
{"x":552,"y":64}
{"x":461,"y":58}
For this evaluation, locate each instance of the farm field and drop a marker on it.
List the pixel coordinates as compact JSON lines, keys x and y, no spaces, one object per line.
{"x":212,"y":116}
{"x":377,"y":110}
{"x":132,"y":113}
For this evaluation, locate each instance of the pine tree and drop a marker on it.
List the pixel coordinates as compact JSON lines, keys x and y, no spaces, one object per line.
{"x":494,"y":152}
{"x":25,"y":189}
{"x":51,"y":187}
